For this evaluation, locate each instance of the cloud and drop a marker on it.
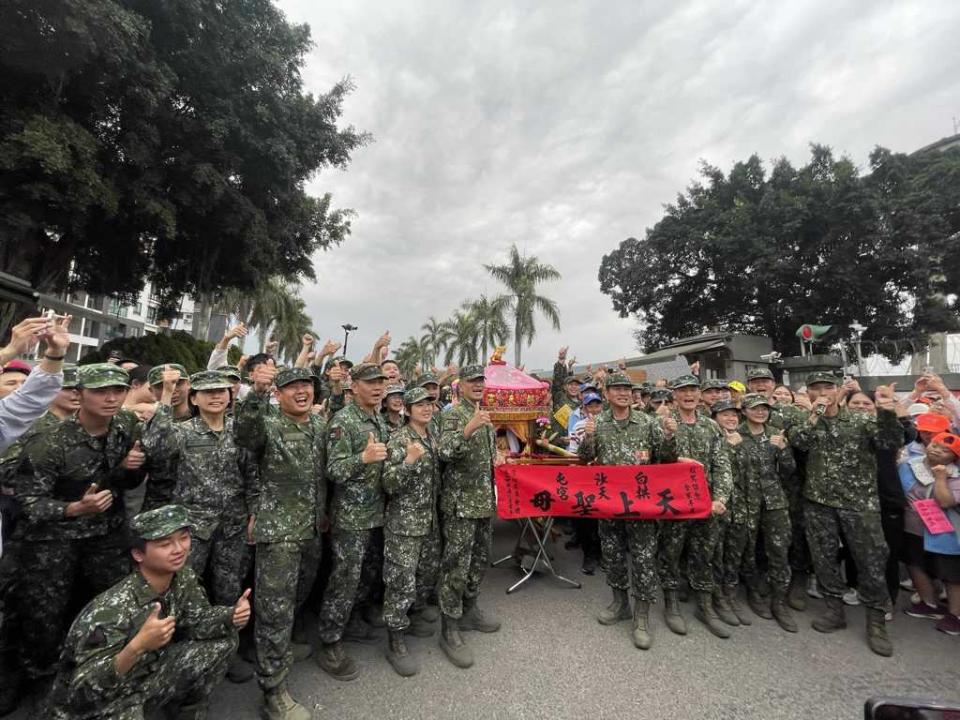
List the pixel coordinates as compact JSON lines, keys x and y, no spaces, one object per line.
{"x":564,"y":127}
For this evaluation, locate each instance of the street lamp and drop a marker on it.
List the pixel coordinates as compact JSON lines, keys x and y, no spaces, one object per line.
{"x":347,"y":329}
{"x":859,"y":330}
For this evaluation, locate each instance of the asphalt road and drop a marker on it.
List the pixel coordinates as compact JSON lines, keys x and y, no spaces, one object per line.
{"x":552,"y":659}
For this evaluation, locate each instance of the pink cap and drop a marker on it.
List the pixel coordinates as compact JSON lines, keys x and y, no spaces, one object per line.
{"x":17,"y":366}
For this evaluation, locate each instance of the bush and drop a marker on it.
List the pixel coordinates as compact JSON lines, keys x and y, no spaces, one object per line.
{"x":157,"y":349}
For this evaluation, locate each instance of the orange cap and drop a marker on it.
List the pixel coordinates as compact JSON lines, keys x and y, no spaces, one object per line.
{"x":950,"y":441}
{"x":931,"y":422}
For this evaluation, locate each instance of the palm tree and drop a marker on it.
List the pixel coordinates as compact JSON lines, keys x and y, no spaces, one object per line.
{"x":460,"y":338}
{"x":412,"y":354}
{"x":433,"y":335}
{"x":275,"y":305}
{"x":521,"y":275}
{"x":492,"y":329}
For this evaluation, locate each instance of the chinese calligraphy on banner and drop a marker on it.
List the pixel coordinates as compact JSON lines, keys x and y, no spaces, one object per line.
{"x":675,"y":491}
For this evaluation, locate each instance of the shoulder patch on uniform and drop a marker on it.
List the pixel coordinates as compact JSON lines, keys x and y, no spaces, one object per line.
{"x":96,"y":638}
{"x":335,"y":433}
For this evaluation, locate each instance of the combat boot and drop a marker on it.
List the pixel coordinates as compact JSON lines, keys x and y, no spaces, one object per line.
{"x":721,"y":605}
{"x":301,"y":651}
{"x":616,"y":611}
{"x":797,"y":595}
{"x":671,"y":613}
{"x":358,"y":631}
{"x":336,"y":663}
{"x":758,"y":603}
{"x":420,"y":626}
{"x":430,"y":613}
{"x":877,"y":637}
{"x":641,"y":622}
{"x":834,"y":618}
{"x":742,"y":615}
{"x":452,"y":644}
{"x":399,"y":656}
{"x":781,"y":612}
{"x":474,"y":619}
{"x":705,"y":614}
{"x":239,"y":671}
{"x":278,"y":705}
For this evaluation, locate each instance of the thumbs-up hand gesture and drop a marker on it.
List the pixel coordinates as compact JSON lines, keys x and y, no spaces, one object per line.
{"x":663,"y":411}
{"x":734,"y":438}
{"x":155,"y":633}
{"x":374,"y":451}
{"x":668,"y":423}
{"x":241,"y":611}
{"x":590,"y":426}
{"x":93,"y":502}
{"x":135,"y":458}
{"x":778,"y":441}
{"x":415,"y":451}
{"x":263,"y":377}
{"x":480,"y":418}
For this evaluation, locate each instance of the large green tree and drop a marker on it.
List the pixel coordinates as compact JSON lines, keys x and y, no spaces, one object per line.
{"x":168,"y":141}
{"x":762,"y":253}
{"x":490,"y":324}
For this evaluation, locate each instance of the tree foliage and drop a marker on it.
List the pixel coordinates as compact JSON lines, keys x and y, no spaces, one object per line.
{"x":168,"y":141}
{"x":157,"y":348}
{"x":762,"y":253}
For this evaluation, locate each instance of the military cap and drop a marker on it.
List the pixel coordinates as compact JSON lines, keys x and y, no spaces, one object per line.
{"x":415,"y":395}
{"x":366,"y":371}
{"x":290,"y":375}
{"x":715,"y":384}
{"x":231,"y":371}
{"x":69,"y":376}
{"x":644,"y":387}
{"x":752,"y":400}
{"x":159,"y":522}
{"x":471,"y":372}
{"x":661,"y":394}
{"x":759,"y":374}
{"x":823,"y":377}
{"x":340,"y":360}
{"x":99,"y":375}
{"x":684,"y":381}
{"x":156,"y":372}
{"x":393,"y":390}
{"x":427,"y":378}
{"x":210,"y":380}
{"x":721,"y":405}
{"x":617,"y":379}
{"x":571,"y":379}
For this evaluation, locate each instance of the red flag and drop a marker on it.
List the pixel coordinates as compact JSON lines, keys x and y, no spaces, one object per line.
{"x":673,"y":491}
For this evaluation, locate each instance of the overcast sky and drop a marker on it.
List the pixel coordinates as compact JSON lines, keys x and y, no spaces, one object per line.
{"x":564,"y":127}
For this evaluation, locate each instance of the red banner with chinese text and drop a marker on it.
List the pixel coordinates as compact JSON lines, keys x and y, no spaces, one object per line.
{"x":673,"y":491}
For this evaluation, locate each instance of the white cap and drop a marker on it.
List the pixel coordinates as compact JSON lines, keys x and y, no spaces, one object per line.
{"x":917,"y":409}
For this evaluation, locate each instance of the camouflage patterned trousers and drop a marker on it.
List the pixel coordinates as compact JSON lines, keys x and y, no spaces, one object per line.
{"x":63,"y":576}
{"x":638,"y":540}
{"x":225,"y":553}
{"x":864,"y":535}
{"x":350,"y":576}
{"x":799,"y":549}
{"x":739,"y":554}
{"x":466,"y":555}
{"x":701,"y":537}
{"x":410,"y":569}
{"x":285,"y":572}
{"x":186,"y":673}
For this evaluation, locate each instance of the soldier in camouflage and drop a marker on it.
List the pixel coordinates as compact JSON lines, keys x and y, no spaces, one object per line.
{"x":162,"y":472}
{"x":356,"y":449}
{"x":765,"y":460}
{"x":468,"y":449}
{"x":623,"y":436}
{"x":411,"y":480}
{"x":73,"y":522}
{"x":712,"y":391}
{"x":841,"y":496}
{"x":565,"y":393}
{"x":287,"y":441}
{"x":659,"y":397}
{"x":698,"y":438}
{"x":215,"y":478}
{"x":152,"y":641}
{"x":392,"y":410}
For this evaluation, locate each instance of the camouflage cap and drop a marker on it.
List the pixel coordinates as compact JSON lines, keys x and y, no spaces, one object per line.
{"x":427,"y":378}
{"x":683,"y":381}
{"x":231,"y":371}
{"x":393,"y":390}
{"x":752,"y":400}
{"x":159,"y":522}
{"x":366,"y":371}
{"x":661,"y":394}
{"x":69,"y":376}
{"x":340,"y":360}
{"x":471,"y":372}
{"x":759,"y":373}
{"x":571,"y":379}
{"x":720,"y":405}
{"x":210,"y":380}
{"x":617,"y":379}
{"x":822,"y":377}
{"x":290,"y":375}
{"x":156,"y":372}
{"x":415,"y":395}
{"x":99,"y":375}
{"x":715,"y":384}
{"x":644,"y":387}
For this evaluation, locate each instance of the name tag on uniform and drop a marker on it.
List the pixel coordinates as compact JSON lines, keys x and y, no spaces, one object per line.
{"x":201,"y":443}
{"x":294,"y":437}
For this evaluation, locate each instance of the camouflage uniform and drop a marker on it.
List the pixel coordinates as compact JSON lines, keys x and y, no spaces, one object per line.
{"x":841,"y":495}
{"x":183,"y":672}
{"x":466,"y":505}
{"x":637,"y":440}
{"x":411,"y":550}
{"x":558,"y":392}
{"x":784,"y":417}
{"x":67,"y":553}
{"x":288,"y":506}
{"x":162,"y":472}
{"x":214,"y":479}
{"x":356,"y":511}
